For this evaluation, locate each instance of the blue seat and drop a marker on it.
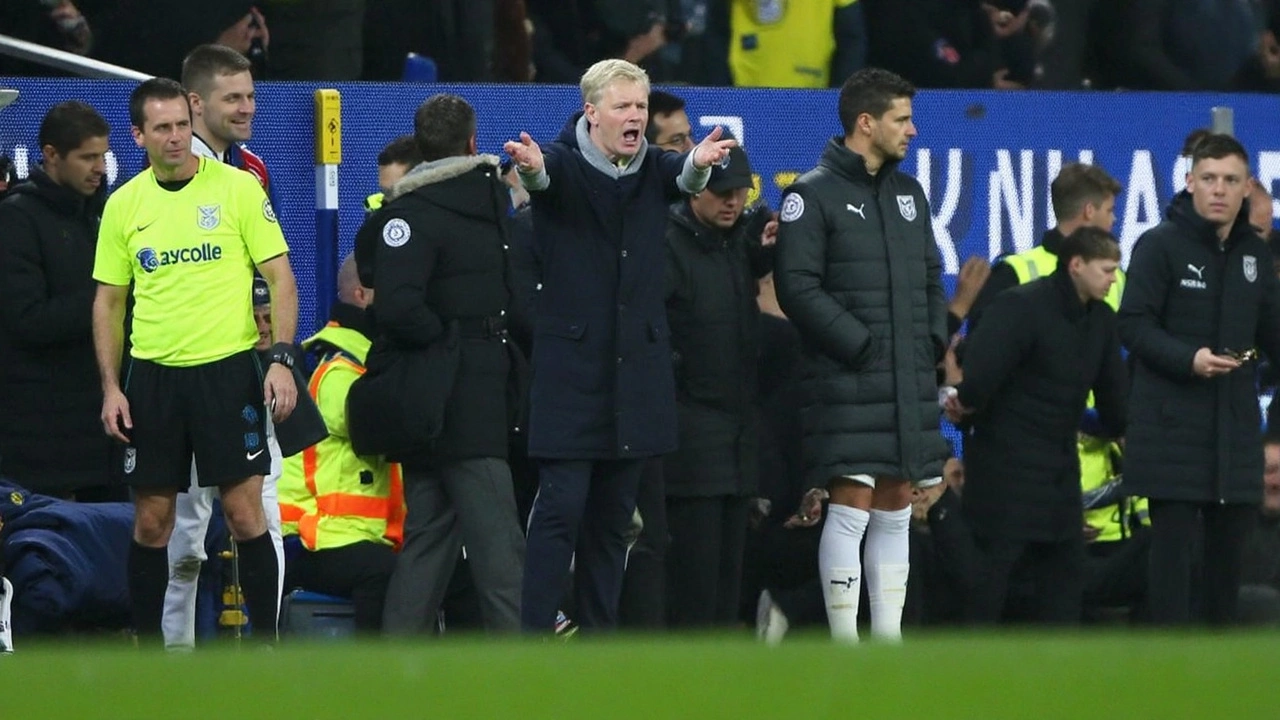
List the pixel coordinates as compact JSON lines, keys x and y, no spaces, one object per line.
{"x":419,"y":69}
{"x":314,"y":615}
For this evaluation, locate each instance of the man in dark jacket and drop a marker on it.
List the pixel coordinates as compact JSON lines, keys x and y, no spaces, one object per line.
{"x":715,"y":255}
{"x":50,"y":438}
{"x":1199,"y":301}
{"x":603,"y":396}
{"x":440,"y":264}
{"x":1027,"y":376}
{"x":859,"y":274}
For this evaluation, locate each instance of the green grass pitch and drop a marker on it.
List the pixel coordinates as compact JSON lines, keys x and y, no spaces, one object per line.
{"x":971,"y":675}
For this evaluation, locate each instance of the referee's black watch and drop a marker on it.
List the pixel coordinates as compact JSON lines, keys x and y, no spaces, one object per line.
{"x":284,"y":354}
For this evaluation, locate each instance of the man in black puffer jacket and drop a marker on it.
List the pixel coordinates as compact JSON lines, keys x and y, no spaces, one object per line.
{"x":715,"y":254}
{"x":859,"y":274}
{"x":1200,"y":297}
{"x":439,"y":263}
{"x":51,"y":439}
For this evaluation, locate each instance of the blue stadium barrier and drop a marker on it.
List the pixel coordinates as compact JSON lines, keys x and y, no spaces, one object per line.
{"x":985,"y":157}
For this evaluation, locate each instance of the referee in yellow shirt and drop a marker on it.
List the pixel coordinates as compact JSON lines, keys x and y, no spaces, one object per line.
{"x":187,"y":233}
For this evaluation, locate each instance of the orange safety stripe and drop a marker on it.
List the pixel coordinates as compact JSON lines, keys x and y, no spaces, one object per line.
{"x":307,"y":530}
{"x":309,"y":456}
{"x":344,"y":504}
{"x":291,"y":513}
{"x":348,"y":505}
{"x":395,"y":516}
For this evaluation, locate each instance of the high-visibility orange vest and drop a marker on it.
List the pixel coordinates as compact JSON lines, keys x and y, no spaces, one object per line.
{"x":329,"y":496}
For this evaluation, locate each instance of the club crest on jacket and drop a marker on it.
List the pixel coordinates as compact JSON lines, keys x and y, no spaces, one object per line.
{"x":907,"y":206}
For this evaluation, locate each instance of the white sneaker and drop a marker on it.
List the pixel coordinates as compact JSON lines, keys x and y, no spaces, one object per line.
{"x":771,"y":623}
{"x":6,"y":617}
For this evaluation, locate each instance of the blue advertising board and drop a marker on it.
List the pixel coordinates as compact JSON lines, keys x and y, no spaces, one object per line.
{"x":985,"y":158}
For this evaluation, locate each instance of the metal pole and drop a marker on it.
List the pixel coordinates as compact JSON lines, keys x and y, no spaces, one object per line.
{"x":1223,"y":120}
{"x":328,"y":114}
{"x":63,"y":60}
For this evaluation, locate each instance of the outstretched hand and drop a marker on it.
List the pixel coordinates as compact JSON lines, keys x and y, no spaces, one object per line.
{"x":712,"y":149}
{"x":526,"y":153}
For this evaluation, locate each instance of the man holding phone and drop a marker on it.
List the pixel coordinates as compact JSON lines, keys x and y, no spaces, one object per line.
{"x":1199,"y":299}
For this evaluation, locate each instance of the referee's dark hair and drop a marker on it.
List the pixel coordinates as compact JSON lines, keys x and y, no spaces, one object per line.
{"x":871,"y":91}
{"x":1088,"y":244}
{"x":443,"y":127}
{"x":401,"y":151}
{"x":68,"y":124}
{"x":207,"y":62}
{"x":153,"y":89}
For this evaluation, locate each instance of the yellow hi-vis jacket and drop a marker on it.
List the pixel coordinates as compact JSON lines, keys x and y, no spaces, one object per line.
{"x":329,"y":496}
{"x":1096,"y":465}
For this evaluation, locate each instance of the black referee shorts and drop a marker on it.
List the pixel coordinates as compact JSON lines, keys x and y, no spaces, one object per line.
{"x":214,"y":411}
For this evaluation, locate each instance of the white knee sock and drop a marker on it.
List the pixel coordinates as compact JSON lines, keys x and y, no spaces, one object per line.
{"x":840,"y":568}
{"x":887,"y":561}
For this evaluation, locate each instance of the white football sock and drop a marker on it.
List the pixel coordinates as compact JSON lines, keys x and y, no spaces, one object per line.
{"x":840,"y":567}
{"x":887,"y":560}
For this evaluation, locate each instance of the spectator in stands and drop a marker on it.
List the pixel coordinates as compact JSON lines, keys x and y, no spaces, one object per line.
{"x":396,"y":159}
{"x":458,"y":36}
{"x":1189,"y":44}
{"x":57,"y":24}
{"x":872,"y":316}
{"x":128,"y":32}
{"x":200,"y":391}
{"x":438,"y":250}
{"x":600,"y":405}
{"x":1261,"y":72}
{"x":1028,"y":374}
{"x":512,"y":42}
{"x":1260,"y":568}
{"x":800,"y":45}
{"x":669,"y":126}
{"x":347,"y":510}
{"x":220,"y":88}
{"x":716,"y":252}
{"x":939,"y":43}
{"x":570,"y":35}
{"x":49,"y":439}
{"x":316,"y":40}
{"x":1197,"y":300}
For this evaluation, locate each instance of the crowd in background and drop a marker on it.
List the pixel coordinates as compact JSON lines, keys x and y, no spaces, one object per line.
{"x":1051,"y":44}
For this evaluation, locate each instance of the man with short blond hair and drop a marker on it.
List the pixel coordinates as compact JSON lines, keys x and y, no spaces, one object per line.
{"x":603,"y":395}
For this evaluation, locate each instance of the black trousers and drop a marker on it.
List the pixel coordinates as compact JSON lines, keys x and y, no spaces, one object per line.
{"x":704,"y":565}
{"x":359,"y":571}
{"x":580,"y":515}
{"x":1055,"y":571}
{"x":1174,"y":528}
{"x":1116,"y":577}
{"x":643,"y":605}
